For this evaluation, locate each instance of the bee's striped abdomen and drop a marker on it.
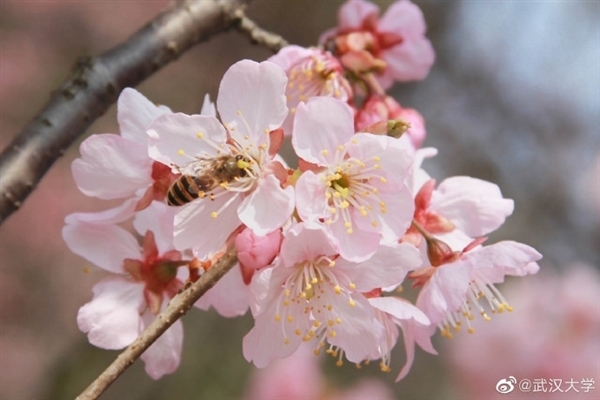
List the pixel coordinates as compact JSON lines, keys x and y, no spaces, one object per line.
{"x":182,"y":191}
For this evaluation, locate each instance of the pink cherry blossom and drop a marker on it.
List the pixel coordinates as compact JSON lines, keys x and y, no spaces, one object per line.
{"x":451,"y":290}
{"x":398,"y":39}
{"x":460,"y":209}
{"x":311,"y":72}
{"x":394,"y":313}
{"x":117,"y":167}
{"x":313,"y":293}
{"x":552,"y":334}
{"x":357,"y":188}
{"x":251,"y":104}
{"x":144,"y":279}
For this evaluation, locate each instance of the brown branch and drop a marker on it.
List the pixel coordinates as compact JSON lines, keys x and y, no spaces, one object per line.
{"x":177,"y":307}
{"x":95,"y":84}
{"x":256,"y":34}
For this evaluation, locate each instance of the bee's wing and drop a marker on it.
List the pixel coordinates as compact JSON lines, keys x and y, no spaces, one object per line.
{"x":197,"y":167}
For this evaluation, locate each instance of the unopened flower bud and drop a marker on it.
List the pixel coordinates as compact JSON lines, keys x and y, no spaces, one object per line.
{"x":255,"y":252}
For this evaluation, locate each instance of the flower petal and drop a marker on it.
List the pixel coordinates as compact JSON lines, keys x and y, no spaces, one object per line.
{"x":177,"y":139}
{"x":135,"y":113}
{"x":356,"y":246}
{"x":229,"y":296}
{"x":266,"y":340}
{"x":310,"y":197}
{"x":474,"y":206}
{"x":157,"y":218}
{"x":387,"y":267}
{"x":111,"y":216}
{"x":252,"y":101}
{"x":112,"y":319}
{"x":445,"y":291}
{"x":353,"y":13}
{"x":92,"y":241}
{"x":504,"y":258}
{"x":320,"y":126}
{"x":196,"y":227}
{"x":268,"y":207}
{"x":359,"y":332}
{"x":301,"y":244}
{"x":164,"y":355}
{"x":111,"y":167}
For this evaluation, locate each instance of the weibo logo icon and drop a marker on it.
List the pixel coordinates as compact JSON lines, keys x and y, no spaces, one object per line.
{"x":506,"y":385}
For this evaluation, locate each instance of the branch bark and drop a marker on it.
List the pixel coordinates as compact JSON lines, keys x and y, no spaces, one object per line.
{"x":95,"y":84}
{"x":256,"y":34}
{"x":177,"y":307}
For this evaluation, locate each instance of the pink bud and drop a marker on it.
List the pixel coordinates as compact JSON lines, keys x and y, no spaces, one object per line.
{"x":255,"y":252}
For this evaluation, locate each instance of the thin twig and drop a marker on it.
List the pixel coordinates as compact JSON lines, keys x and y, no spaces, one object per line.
{"x":256,"y":34}
{"x":95,"y":84}
{"x":177,"y":307}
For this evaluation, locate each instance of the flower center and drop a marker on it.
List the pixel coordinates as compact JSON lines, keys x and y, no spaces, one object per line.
{"x":354,"y":185}
{"x":306,"y":306}
{"x":479,"y":289}
{"x":316,"y":76}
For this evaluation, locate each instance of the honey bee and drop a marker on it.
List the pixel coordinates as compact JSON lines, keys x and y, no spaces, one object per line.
{"x":200,"y":177}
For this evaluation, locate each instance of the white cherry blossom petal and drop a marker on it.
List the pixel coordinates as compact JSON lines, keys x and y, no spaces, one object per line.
{"x":197,"y":225}
{"x":357,"y":331}
{"x":302,"y":243}
{"x":387,"y":267}
{"x":356,"y":246}
{"x":229,"y":296}
{"x":320,"y":126}
{"x":474,"y":206}
{"x":266,"y":340}
{"x":157,"y":218}
{"x":268,"y":207}
{"x":309,"y":189}
{"x":92,"y":241}
{"x":111,"y":167}
{"x":252,"y":101}
{"x":177,"y":139}
{"x":111,"y":216}
{"x":135,"y":113}
{"x":504,"y":258}
{"x":112,"y":319}
{"x":164,"y":355}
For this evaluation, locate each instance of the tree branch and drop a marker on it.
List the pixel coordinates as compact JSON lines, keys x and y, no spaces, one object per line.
{"x":256,"y":34}
{"x":177,"y":307}
{"x":95,"y":84}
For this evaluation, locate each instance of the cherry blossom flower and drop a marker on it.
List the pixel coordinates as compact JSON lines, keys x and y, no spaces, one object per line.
{"x":143,"y":279}
{"x":356,"y":188}
{"x":251,"y":103}
{"x":395,"y":44}
{"x":459,"y":210}
{"x":311,"y":72}
{"x":313,"y":293}
{"x":453,"y":289}
{"x":550,"y":338}
{"x":394,"y":313}
{"x":118,"y":167}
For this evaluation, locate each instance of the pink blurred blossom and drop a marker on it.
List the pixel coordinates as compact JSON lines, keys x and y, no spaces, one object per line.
{"x":552,"y":334}
{"x":398,"y":39}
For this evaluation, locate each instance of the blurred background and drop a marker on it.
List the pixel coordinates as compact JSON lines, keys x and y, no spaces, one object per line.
{"x":512,"y":98}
